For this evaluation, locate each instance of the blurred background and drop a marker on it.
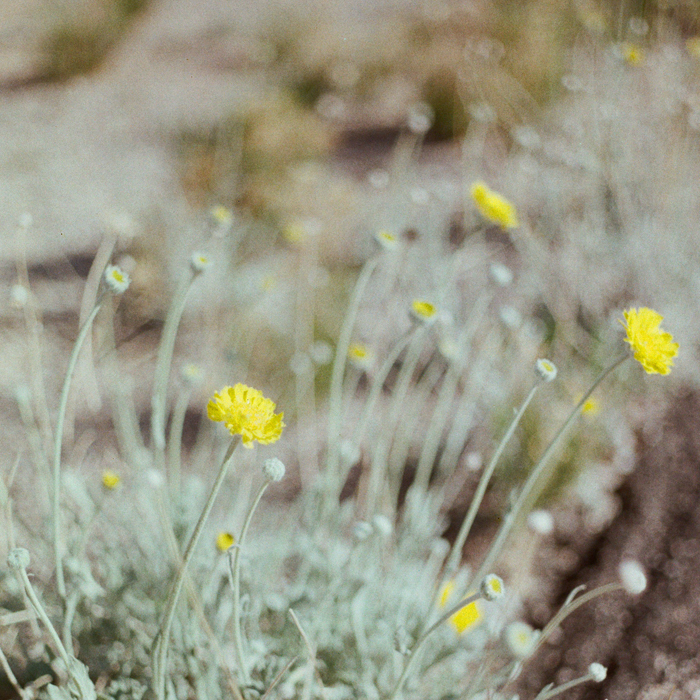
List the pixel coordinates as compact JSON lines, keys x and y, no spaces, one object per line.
{"x":279,"y":136}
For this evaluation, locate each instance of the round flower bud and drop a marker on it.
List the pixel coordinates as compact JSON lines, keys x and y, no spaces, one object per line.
{"x":386,"y":240}
{"x":520,"y":639}
{"x":221,"y":215}
{"x":491,"y":587}
{"x":199,"y":263}
{"x":545,"y":370}
{"x":273,"y":469}
{"x":360,"y":356}
{"x":19,"y":295}
{"x":501,"y":274}
{"x":18,"y":559}
{"x":191,"y":373}
{"x":541,"y":522}
{"x":224,"y":540}
{"x":110,"y":479}
{"x":597,"y":672}
{"x":116,"y":279}
{"x":382,"y":525}
{"x":632,"y":576}
{"x":423,"y":311}
{"x":362,"y":530}
{"x":350,"y":453}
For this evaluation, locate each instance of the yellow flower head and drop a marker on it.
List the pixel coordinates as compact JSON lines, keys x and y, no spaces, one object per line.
{"x":246,"y":412}
{"x":423,"y":311}
{"x":591,"y":406}
{"x":493,"y":207}
{"x":633,"y":54}
{"x":360,"y":356}
{"x":653,"y":348}
{"x":110,"y":480}
{"x":466,"y":618}
{"x":222,"y":215}
{"x":224,"y":540}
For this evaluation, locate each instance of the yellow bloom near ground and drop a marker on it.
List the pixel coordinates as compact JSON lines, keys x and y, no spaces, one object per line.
{"x":246,"y":412}
{"x":493,"y":207}
{"x":466,"y":618}
{"x":653,"y":348}
{"x":224,"y":540}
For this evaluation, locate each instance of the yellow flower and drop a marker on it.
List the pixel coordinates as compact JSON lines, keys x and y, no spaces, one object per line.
{"x":110,"y":480}
{"x":653,"y":348}
{"x":632,"y":54}
{"x":246,"y":412}
{"x":493,"y":206}
{"x":423,"y":311}
{"x":224,"y":540}
{"x":466,"y":618}
{"x":222,"y":215}
{"x":591,"y":406}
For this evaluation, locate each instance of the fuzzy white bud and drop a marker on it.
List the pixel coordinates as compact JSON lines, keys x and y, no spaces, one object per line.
{"x":520,"y":639}
{"x":273,"y":469}
{"x":116,"y":279}
{"x":546,"y":370}
{"x":597,"y":672}
{"x":18,"y":559}
{"x":382,"y":525}
{"x":541,"y":522}
{"x":632,"y":576}
{"x":491,"y":587}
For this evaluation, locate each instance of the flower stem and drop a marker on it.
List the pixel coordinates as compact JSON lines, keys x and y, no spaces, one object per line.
{"x":456,"y":551}
{"x":422,"y":639}
{"x":563,"y":687}
{"x":526,"y":492}
{"x":58,"y":439}
{"x":163,"y":363}
{"x":336,"y":389}
{"x":235,"y":569}
{"x":162,"y":640}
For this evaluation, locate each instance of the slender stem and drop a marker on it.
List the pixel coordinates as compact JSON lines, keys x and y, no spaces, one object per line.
{"x":335,"y":399}
{"x":12,"y":678}
{"x":424,"y":636}
{"x":165,"y":357}
{"x":456,"y":551}
{"x":36,"y":604}
{"x":175,"y":442}
{"x":160,"y":644}
{"x":58,"y":439}
{"x":524,"y":496}
{"x":563,"y":687}
{"x":236,"y":582}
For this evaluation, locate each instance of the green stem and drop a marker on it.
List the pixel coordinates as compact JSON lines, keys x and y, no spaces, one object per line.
{"x":162,"y":640}
{"x":175,"y":443}
{"x":336,"y":389}
{"x":424,"y":636}
{"x":464,"y":530}
{"x":58,"y":439}
{"x":512,"y":517}
{"x":163,"y":363}
{"x":563,"y":687}
{"x":236,"y":583}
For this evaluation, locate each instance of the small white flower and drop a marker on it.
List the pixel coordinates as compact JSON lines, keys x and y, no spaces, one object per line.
{"x":19,"y":295}
{"x":501,"y":274}
{"x":597,"y":672}
{"x":116,"y":279}
{"x":360,"y":356}
{"x":273,"y":469}
{"x":545,"y":370}
{"x":511,"y":317}
{"x":520,"y":639}
{"x":386,"y":239}
{"x":474,"y":461}
{"x":491,"y":587}
{"x":632,"y":576}
{"x":350,"y":453}
{"x":541,"y":522}
{"x":199,"y":263}
{"x":18,"y":558}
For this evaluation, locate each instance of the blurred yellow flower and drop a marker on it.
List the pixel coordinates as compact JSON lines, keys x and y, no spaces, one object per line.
{"x":466,"y":618}
{"x":360,"y":356}
{"x":224,"y":540}
{"x":493,"y":207}
{"x":633,"y":54}
{"x":110,"y":479}
{"x":246,"y":412}
{"x":423,"y":311}
{"x":222,"y":215}
{"x":693,"y":46}
{"x":653,"y":348}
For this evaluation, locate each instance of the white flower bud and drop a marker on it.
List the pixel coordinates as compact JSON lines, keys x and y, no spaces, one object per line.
{"x":541,"y":522}
{"x":18,"y":559}
{"x":520,"y":639}
{"x":501,"y":274}
{"x":362,"y":530}
{"x":491,"y":587}
{"x":199,"y":262}
{"x":382,"y":525}
{"x":545,"y":370}
{"x":632,"y":576}
{"x":116,"y":279}
{"x":597,"y":672}
{"x":273,"y":469}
